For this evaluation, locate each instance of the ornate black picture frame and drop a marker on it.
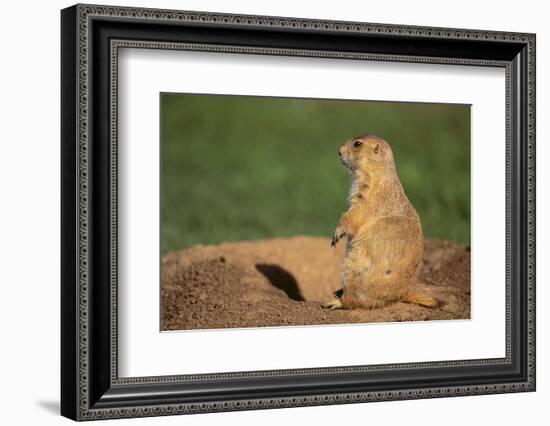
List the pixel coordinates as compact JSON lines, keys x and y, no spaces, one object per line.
{"x":91,"y":36}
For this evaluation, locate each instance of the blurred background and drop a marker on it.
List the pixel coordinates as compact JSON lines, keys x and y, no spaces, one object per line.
{"x":243,"y":168}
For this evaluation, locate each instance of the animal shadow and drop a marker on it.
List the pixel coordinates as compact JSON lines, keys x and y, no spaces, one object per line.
{"x":282,"y":279}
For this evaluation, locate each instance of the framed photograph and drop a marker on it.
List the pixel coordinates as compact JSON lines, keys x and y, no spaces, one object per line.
{"x":263,"y":212}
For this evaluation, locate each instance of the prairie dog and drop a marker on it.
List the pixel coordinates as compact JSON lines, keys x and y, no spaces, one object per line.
{"x":384,"y":235}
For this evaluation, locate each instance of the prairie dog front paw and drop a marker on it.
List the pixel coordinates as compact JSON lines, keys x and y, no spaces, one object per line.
{"x":338,"y":234}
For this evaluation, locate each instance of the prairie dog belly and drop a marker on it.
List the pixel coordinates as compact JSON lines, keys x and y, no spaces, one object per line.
{"x":382,"y":262}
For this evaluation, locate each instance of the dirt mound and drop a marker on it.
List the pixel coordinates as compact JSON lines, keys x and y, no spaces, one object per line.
{"x":281,"y":282}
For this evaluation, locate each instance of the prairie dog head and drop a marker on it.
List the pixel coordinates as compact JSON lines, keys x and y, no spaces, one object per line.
{"x":366,"y":153}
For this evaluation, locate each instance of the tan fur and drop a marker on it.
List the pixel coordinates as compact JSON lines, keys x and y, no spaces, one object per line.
{"x":384,"y":235}
{"x":421,"y":299}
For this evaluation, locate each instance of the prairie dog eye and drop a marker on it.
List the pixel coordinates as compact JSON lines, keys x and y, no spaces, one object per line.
{"x":357,"y":144}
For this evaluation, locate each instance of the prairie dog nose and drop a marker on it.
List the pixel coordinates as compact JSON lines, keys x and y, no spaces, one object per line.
{"x":340,"y":152}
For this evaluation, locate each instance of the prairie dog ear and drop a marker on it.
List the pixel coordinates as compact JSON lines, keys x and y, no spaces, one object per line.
{"x":377,"y":148}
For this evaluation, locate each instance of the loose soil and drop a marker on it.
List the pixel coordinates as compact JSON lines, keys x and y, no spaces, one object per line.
{"x":281,"y":282}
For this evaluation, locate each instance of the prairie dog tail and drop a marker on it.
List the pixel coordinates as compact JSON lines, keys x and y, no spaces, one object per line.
{"x":422,"y":300}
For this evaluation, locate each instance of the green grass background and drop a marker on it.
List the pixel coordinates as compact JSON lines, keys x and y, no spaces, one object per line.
{"x":244,"y":168}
